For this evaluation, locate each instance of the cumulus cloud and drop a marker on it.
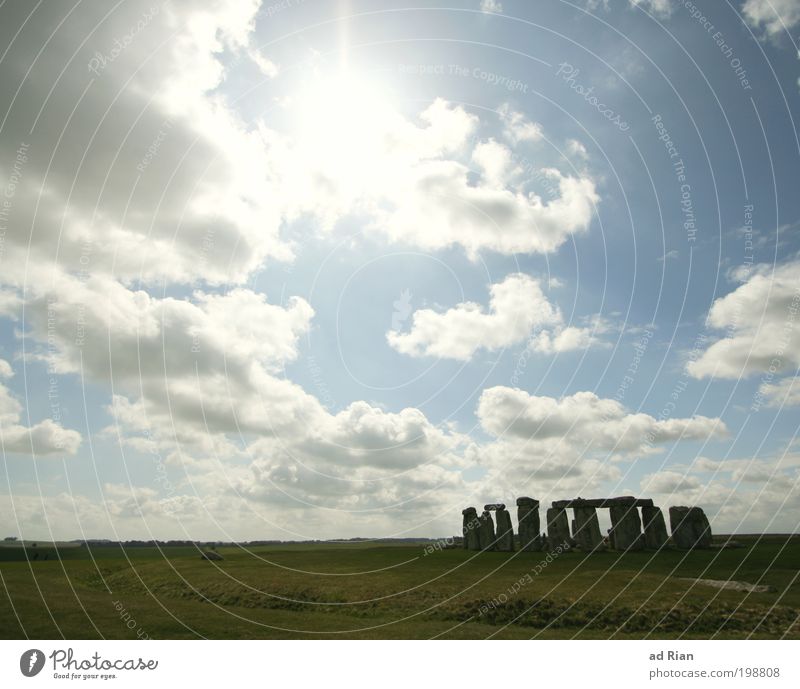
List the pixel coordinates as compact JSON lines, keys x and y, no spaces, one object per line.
{"x":199,"y":366}
{"x":491,"y":6}
{"x":198,"y":380}
{"x":584,"y":419}
{"x":659,"y":8}
{"x":785,"y":393}
{"x":555,"y":447}
{"x":668,"y":482}
{"x":773,"y":16}
{"x":577,"y":149}
{"x":517,"y":126}
{"x":517,"y":305}
{"x":109,"y":331}
{"x":44,"y":438}
{"x":415,"y":182}
{"x":495,"y":162}
{"x":566,"y":339}
{"x":760,"y":318}
{"x":156,"y":179}
{"x":754,"y":495}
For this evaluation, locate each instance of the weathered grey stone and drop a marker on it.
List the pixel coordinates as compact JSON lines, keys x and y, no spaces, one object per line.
{"x":626,"y":528}
{"x":486,"y":535}
{"x":492,"y":506}
{"x":586,"y":531}
{"x":470,"y":529}
{"x":528,"y":525}
{"x":690,"y":527}
{"x":505,"y":531}
{"x":558,"y":529}
{"x":623,"y":501}
{"x":703,"y":529}
{"x":681,"y":527}
{"x":655,"y":529}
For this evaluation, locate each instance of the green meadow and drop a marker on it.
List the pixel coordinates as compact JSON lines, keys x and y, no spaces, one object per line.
{"x":404,"y":590}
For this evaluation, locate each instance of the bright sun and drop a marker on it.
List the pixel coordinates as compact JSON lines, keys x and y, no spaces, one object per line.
{"x":347,"y":123}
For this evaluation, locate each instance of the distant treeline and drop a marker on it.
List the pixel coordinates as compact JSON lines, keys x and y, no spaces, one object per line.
{"x":101,"y":543}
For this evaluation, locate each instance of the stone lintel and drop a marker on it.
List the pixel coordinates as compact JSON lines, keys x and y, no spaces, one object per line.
{"x":603,"y":502}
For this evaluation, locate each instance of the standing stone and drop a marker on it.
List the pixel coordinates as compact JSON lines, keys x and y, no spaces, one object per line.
{"x":505,"y":531}
{"x":587,"y":529}
{"x":626,"y":527}
{"x":690,"y":527}
{"x":470,"y":527}
{"x":702,"y":529}
{"x":558,"y":529}
{"x":486,"y":535}
{"x":655,"y":529}
{"x":528,"y":524}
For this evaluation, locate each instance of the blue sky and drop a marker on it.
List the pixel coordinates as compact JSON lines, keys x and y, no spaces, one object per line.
{"x":320,"y":269}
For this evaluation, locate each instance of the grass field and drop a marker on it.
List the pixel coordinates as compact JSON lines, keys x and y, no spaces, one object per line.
{"x":365,"y":590}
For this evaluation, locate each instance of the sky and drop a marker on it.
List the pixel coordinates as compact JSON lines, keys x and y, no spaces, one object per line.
{"x":324,"y":269}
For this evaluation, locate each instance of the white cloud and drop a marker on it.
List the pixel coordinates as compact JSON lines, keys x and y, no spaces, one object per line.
{"x":566,"y":339}
{"x":197,"y":382}
{"x":577,"y":149}
{"x":584,"y":419}
{"x":774,"y":16}
{"x":554,"y":447}
{"x":156,"y":178}
{"x":412,"y":180}
{"x":44,"y":438}
{"x":100,"y":327}
{"x":761,"y":322}
{"x":267,"y":67}
{"x":668,"y":482}
{"x":441,"y":209}
{"x":491,"y":6}
{"x":672,"y":254}
{"x":755,"y":495}
{"x":496,"y":163}
{"x":517,"y":305}
{"x":785,"y":393}
{"x":660,"y":8}
{"x":518,"y":127}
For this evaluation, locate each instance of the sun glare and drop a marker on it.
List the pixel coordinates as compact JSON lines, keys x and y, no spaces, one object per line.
{"x":346,"y":122}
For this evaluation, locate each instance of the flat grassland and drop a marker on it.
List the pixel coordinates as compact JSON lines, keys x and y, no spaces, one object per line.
{"x":378,"y":590}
